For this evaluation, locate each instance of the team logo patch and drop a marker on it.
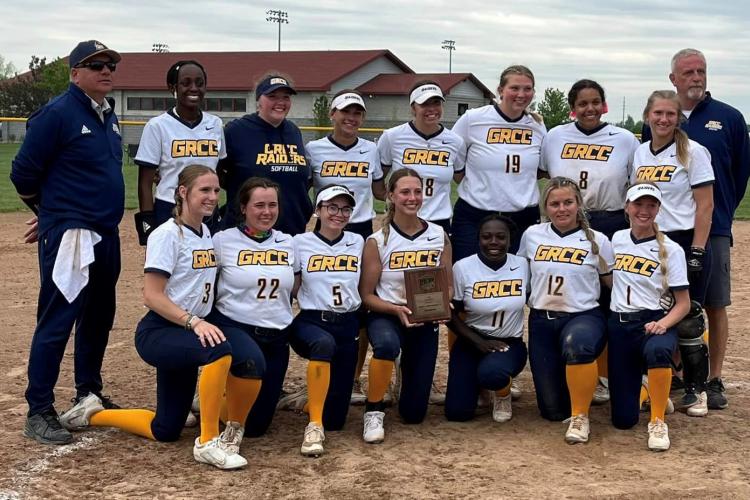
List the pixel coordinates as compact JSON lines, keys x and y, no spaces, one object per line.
{"x":497,"y":289}
{"x":203,"y":259}
{"x":412,"y":259}
{"x":567,"y":255}
{"x":509,"y":136}
{"x":713,"y":125}
{"x":278,"y":81}
{"x":657,"y":173}
{"x":116,"y":129}
{"x":263,"y":258}
{"x":426,"y":157}
{"x":344,"y":169}
{"x":329,"y":263}
{"x":85,"y":130}
{"x":595,"y":152}
{"x":182,"y":148}
{"x":635,"y":264}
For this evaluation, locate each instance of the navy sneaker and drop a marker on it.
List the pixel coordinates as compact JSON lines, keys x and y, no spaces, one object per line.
{"x":46,"y":428}
{"x":716,"y":398}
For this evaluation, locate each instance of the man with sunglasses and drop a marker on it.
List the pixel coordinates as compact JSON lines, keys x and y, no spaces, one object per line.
{"x":69,"y":172}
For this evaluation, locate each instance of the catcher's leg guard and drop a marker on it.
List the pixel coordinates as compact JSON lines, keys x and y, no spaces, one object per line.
{"x":693,"y":350}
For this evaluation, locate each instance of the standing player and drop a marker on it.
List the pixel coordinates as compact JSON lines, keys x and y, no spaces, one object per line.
{"x":404,"y":242}
{"x":325,"y":330}
{"x":504,"y":143}
{"x":180,"y":272}
{"x":491,"y":288}
{"x":253,"y":296}
{"x":681,"y":168}
{"x":642,"y":336}
{"x":427,"y":147}
{"x":567,"y":328}
{"x":182,"y":136}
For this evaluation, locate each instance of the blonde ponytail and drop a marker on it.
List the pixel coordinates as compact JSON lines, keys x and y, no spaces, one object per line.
{"x":662,"y":258}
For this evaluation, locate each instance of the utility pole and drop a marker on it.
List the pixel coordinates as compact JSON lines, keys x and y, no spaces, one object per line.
{"x":280,"y":17}
{"x":623,"y":110}
{"x":450,"y":46}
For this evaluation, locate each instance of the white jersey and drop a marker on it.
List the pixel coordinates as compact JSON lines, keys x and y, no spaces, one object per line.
{"x":171,"y":144}
{"x":599,"y":161}
{"x":637,"y":275}
{"x":402,"y":252}
{"x":493,"y":299}
{"x":355,"y":167}
{"x":502,"y":159}
{"x":564,"y":269}
{"x":255,"y":279}
{"x":435,"y":158}
{"x":329,"y":270}
{"x":188,"y":261}
{"x":675,"y":181}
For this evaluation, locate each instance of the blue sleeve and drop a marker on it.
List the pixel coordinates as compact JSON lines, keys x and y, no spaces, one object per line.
{"x":740,"y":158}
{"x":37,"y":153}
{"x":645,"y":134}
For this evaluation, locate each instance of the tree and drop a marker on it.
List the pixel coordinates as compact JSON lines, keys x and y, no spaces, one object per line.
{"x":320,"y":113}
{"x":632,"y":125}
{"x":25,"y":93}
{"x":554,"y":108}
{"x":6,"y":69}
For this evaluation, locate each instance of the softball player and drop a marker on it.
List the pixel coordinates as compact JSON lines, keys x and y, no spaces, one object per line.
{"x":345,"y":159}
{"x":681,"y":168}
{"x":180,"y":272}
{"x":182,"y":136}
{"x":504,"y":143}
{"x":648,"y":265}
{"x":567,"y":329}
{"x":325,"y":330}
{"x":491,"y":288}
{"x":404,"y":242}
{"x":428,"y":148}
{"x":253,"y":296}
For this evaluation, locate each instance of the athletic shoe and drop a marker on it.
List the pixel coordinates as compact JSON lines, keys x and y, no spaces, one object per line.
{"x":294,"y":401}
{"x":437,"y":396}
{"x":578,"y":429}
{"x":78,"y":417}
{"x":312,"y":444}
{"x":46,"y":429}
{"x":677,"y":384}
{"x":374,"y":431}
{"x":716,"y":398}
{"x":515,"y":390}
{"x":699,"y":409}
{"x":106,"y":401}
{"x":196,"y":406}
{"x":689,"y":398}
{"x":658,"y":436}
{"x":502,"y":411}
{"x":231,"y":438}
{"x":358,"y":395}
{"x":601,"y":393}
{"x":191,"y":420}
{"x":213,"y":453}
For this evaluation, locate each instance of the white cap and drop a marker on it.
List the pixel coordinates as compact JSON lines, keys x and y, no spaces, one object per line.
{"x":348,"y":99}
{"x":640,"y":190}
{"x":420,"y":94}
{"x":330,"y":192}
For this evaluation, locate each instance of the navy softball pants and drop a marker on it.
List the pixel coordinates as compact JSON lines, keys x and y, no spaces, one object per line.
{"x":470,"y":370}
{"x":267,"y":351}
{"x":557,"y":340}
{"x":631,"y":352}
{"x":92,"y":313}
{"x":335,"y":342}
{"x":418,"y":347}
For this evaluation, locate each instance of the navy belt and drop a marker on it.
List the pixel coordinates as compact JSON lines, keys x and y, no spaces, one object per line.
{"x":551,"y":314}
{"x":628,"y":317}
{"x":266,"y":332}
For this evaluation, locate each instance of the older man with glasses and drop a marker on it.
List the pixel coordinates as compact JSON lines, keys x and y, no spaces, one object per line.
{"x":69,"y":172}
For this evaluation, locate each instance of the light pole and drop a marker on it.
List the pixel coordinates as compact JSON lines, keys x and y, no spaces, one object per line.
{"x":278,"y":16}
{"x":450,"y":46}
{"x":160,"y":47}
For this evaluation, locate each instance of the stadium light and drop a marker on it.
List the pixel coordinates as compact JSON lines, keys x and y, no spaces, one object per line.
{"x":280,"y":17}
{"x":160,"y":48}
{"x":450,"y":46}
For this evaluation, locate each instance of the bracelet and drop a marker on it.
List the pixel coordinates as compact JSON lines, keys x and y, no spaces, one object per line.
{"x":189,"y":322}
{"x":193,"y":318}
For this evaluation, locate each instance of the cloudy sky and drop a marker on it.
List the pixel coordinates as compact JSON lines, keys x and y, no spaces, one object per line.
{"x":625,"y":45}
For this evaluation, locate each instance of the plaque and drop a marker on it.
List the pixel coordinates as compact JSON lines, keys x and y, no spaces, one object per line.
{"x":427,"y":294}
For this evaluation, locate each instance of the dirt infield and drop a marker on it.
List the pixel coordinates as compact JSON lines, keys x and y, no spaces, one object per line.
{"x":524,"y":458}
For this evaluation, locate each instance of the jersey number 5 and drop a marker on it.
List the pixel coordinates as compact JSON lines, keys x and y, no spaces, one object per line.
{"x":337,"y":298}
{"x":273,"y":294}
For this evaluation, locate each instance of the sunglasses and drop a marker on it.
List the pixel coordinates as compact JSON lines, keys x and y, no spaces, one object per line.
{"x":98,"y":65}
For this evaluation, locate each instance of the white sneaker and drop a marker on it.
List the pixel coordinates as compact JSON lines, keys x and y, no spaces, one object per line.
{"x":601,"y":393}
{"x":78,"y":417}
{"x":374,"y":431}
{"x":213,"y":453}
{"x":358,"y":395}
{"x":658,"y":436}
{"x":312,"y":444}
{"x":196,"y":406}
{"x":515,"y":390}
{"x":699,"y":409}
{"x":294,"y":401}
{"x":191,"y":420}
{"x":502,"y":410}
{"x":437,"y":396}
{"x":578,"y":429}
{"x":231,"y":438}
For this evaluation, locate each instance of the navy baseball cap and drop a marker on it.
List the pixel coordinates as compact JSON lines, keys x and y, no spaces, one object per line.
{"x":272,"y":83}
{"x":88,"y":49}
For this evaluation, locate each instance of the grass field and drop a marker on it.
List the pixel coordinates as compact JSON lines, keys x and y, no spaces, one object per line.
{"x":9,"y":201}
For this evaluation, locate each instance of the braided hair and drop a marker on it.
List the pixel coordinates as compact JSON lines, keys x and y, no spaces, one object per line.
{"x":173,"y":72}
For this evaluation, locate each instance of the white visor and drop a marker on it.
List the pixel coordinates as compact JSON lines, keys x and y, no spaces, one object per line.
{"x":420,"y":94}
{"x":330,"y":192}
{"x":345,"y":100}
{"x":641,"y":190}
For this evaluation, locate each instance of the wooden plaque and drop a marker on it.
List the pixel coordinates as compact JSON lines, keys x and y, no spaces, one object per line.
{"x":427,"y":294}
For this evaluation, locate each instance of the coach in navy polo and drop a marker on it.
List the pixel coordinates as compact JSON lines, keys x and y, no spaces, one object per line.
{"x":69,"y":170}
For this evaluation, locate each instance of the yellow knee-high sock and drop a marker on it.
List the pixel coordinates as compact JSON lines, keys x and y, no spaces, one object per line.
{"x":378,"y":379}
{"x":505,"y":390}
{"x":318,"y":380}
{"x":659,"y":381}
{"x":581,"y":385}
{"x":241,"y":396}
{"x":211,"y":388}
{"x":364,"y":343}
{"x":136,"y":422}
{"x":601,"y":364}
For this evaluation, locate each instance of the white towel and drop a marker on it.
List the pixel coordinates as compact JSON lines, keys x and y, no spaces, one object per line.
{"x":76,"y":253}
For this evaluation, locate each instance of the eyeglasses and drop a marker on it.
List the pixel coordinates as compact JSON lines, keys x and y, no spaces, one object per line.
{"x":98,"y":65}
{"x":334,"y":209}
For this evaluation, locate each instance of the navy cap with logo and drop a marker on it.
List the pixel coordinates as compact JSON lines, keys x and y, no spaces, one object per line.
{"x":88,"y":49}
{"x":272,"y":83}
